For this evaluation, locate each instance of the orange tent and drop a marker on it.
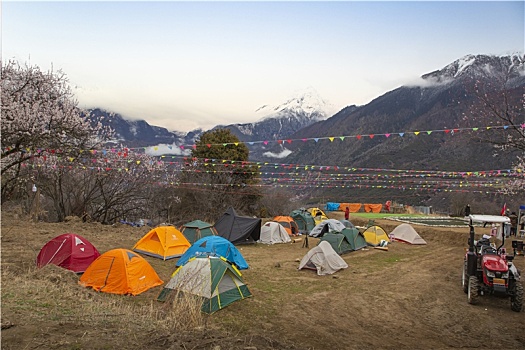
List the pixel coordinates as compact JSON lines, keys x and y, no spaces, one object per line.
{"x":164,"y":242}
{"x":120,"y":271}
{"x":287,"y":222}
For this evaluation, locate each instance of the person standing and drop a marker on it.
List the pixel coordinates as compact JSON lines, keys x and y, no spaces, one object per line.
{"x":513,"y":224}
{"x":347,"y":213}
{"x":467,"y":210}
{"x":493,"y":232}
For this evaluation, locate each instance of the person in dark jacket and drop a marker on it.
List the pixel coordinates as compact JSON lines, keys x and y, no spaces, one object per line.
{"x":513,"y":223}
{"x":467,"y":210}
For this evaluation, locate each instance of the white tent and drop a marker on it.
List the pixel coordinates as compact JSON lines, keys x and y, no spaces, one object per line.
{"x":406,"y":233}
{"x":324,"y":259}
{"x":272,"y":232}
{"x":326,"y":226}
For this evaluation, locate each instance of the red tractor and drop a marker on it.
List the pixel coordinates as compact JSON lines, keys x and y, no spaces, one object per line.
{"x":487,"y":270}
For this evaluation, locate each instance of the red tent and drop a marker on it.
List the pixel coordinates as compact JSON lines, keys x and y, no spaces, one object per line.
{"x":70,"y":251}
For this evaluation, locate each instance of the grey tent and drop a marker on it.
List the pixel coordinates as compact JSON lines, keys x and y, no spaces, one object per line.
{"x":323,"y":259}
{"x":347,"y":223}
{"x":238,"y":229}
{"x":273,"y":232}
{"x":327,"y":226}
{"x":406,"y":233}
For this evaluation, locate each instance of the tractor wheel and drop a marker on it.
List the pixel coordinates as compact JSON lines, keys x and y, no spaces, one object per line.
{"x":472,"y":294}
{"x":516,"y":302}
{"x":464,"y":278}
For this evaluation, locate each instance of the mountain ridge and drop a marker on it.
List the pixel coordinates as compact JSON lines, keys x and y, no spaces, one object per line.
{"x":409,"y":107}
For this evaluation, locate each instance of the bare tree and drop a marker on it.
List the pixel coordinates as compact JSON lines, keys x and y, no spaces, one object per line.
{"x":500,"y":102}
{"x":102,"y":186}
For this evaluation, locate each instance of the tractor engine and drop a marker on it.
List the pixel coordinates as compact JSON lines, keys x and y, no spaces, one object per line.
{"x":495,"y":273}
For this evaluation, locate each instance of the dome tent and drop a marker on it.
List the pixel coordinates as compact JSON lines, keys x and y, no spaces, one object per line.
{"x":374,"y":235}
{"x":212,"y":278}
{"x":406,"y":233}
{"x":238,"y":229}
{"x":323,"y":259}
{"x":325,"y":226}
{"x":273,"y":232}
{"x":338,"y":241}
{"x":318,"y":215}
{"x":288,"y":223}
{"x":197,"y":229}
{"x":164,"y":242}
{"x":70,"y":251}
{"x":120,"y":271}
{"x":214,"y":246}
{"x":304,"y":220}
{"x":356,"y":238}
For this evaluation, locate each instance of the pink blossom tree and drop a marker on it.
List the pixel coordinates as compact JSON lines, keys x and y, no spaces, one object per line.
{"x":39,"y":117}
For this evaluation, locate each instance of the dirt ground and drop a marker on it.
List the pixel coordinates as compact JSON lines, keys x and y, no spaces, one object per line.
{"x":409,"y":297}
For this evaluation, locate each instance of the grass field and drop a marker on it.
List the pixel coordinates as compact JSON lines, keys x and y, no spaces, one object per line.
{"x":408,"y":297}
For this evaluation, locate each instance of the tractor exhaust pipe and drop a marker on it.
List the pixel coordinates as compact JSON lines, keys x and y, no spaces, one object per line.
{"x":471,"y":237}
{"x":472,"y":259}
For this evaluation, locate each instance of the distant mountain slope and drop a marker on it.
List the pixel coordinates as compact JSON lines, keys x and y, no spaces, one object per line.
{"x":443,"y":100}
{"x":138,"y":133}
{"x":281,"y":121}
{"x":276,"y":122}
{"x":440,"y":100}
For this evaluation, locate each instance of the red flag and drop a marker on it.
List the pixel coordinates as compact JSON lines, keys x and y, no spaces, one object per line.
{"x":504,"y":209}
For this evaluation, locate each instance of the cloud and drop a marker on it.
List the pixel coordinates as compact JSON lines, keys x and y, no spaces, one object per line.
{"x":428,"y":82}
{"x":285,"y":153}
{"x":163,"y":149}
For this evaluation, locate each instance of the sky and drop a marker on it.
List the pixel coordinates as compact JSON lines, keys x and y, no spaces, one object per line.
{"x":185,"y":65}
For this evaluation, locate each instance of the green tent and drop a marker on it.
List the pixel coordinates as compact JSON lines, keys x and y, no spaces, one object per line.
{"x":212,"y":278}
{"x":338,"y":241}
{"x":305,"y":221}
{"x":195,"y":230}
{"x":356,"y":238}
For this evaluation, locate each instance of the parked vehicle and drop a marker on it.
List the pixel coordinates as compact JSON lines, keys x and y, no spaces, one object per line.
{"x":488,"y":270}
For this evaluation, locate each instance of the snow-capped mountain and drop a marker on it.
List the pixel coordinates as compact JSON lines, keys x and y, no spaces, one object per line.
{"x":306,"y":104}
{"x":409,"y":107}
{"x":277,"y":122}
{"x":445,"y":98}
{"x":281,"y":121}
{"x":508,"y":67}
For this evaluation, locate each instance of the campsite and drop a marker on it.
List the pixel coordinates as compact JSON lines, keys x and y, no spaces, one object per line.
{"x":409,"y":297}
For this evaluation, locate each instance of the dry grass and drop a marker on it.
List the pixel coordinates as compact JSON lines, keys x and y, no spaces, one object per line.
{"x":53,"y":293}
{"x":416,"y":288}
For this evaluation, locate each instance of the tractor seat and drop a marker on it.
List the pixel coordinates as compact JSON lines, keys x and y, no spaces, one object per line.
{"x":486,"y":249}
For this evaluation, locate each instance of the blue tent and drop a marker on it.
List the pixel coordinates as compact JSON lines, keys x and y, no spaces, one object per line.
{"x":214,"y":245}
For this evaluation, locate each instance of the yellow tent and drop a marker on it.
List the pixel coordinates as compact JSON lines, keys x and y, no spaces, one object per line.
{"x":318,"y":215}
{"x":374,"y":235}
{"x":164,"y":242}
